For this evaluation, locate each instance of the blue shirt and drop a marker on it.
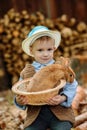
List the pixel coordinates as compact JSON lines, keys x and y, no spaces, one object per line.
{"x":69,"y":89}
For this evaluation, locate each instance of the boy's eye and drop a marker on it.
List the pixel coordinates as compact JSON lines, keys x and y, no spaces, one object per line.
{"x":39,"y":50}
{"x":49,"y":49}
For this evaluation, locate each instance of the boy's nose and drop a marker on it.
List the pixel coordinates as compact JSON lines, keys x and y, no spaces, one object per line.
{"x":45,"y":53}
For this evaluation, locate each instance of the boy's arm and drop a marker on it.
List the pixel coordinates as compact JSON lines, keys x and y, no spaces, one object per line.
{"x":27,"y":72}
{"x":69,"y":91}
{"x":23,"y":107}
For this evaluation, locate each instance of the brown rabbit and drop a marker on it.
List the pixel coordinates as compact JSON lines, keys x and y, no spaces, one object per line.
{"x":50,"y":76}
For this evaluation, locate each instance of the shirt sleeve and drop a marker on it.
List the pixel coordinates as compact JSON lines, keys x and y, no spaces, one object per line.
{"x":69,"y":91}
{"x":23,"y":107}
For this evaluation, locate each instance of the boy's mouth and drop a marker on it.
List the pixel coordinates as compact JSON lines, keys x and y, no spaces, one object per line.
{"x":45,"y":58}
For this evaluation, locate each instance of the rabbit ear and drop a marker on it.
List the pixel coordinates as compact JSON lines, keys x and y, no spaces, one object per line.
{"x":63,"y":61}
{"x":27,"y":72}
{"x":66,"y":61}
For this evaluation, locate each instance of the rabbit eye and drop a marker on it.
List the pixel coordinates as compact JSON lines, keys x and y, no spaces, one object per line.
{"x":71,"y":75}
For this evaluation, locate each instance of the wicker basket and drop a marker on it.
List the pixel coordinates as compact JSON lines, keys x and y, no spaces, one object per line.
{"x":36,"y":98}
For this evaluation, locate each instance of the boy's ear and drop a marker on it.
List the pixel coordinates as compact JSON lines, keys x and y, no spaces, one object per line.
{"x":54,"y":48}
{"x":30,"y":50}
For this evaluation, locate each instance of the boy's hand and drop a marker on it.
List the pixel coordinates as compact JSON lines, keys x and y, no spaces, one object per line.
{"x":57,"y":100}
{"x":22,"y":100}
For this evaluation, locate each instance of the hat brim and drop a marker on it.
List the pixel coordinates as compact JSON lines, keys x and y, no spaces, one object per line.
{"x":29,"y":40}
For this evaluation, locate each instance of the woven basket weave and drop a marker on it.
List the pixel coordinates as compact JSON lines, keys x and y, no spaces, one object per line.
{"x":36,"y":98}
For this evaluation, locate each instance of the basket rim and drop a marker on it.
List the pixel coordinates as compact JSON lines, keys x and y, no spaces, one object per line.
{"x":17,"y":91}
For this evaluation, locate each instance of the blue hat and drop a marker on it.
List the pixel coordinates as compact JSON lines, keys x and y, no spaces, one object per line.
{"x":38,"y":32}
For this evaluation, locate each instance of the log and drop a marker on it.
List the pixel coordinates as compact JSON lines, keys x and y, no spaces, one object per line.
{"x":80,"y":96}
{"x":82,"y":126}
{"x":80,"y":119}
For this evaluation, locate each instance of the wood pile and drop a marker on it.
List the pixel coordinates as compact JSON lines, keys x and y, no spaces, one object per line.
{"x":11,"y":118}
{"x":79,"y":106}
{"x":15,"y":26}
{"x":79,"y":65}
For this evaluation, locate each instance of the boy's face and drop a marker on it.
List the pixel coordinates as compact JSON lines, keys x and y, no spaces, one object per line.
{"x":43,"y":50}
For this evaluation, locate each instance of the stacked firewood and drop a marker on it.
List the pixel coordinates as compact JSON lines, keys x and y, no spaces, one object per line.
{"x":79,"y":106}
{"x":11,"y":118}
{"x":15,"y":26}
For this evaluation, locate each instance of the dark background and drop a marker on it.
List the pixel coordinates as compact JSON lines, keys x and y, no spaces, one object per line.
{"x":51,"y":8}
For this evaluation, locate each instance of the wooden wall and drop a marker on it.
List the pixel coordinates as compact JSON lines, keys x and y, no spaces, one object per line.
{"x":51,"y":8}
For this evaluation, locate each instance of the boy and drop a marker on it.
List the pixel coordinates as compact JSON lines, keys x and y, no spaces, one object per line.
{"x":57,"y":114}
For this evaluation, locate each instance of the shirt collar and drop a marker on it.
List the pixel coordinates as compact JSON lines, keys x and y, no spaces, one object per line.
{"x":38,"y":65}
